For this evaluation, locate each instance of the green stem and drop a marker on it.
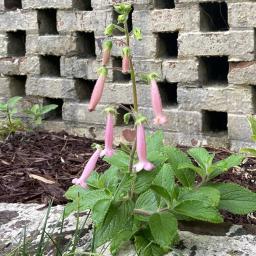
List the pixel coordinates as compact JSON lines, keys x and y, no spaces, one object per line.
{"x":135,"y":96}
{"x":9,"y":117}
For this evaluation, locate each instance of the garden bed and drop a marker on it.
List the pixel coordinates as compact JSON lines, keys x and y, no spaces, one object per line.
{"x":36,"y":167}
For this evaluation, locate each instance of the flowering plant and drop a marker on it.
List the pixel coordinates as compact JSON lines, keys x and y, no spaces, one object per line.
{"x":149,"y":186}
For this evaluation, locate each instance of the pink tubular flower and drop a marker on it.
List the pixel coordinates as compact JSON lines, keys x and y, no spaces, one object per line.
{"x":88,"y":169}
{"x":160,"y":118}
{"x":107,"y":46}
{"x":142,"y":151}
{"x":98,"y":89}
{"x":126,"y":60}
{"x":109,"y":138}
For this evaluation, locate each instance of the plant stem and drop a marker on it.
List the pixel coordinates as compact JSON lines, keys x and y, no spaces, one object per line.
{"x":135,"y":95}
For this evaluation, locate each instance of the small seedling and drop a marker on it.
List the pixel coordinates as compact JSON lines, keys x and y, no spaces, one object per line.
{"x":37,"y":111}
{"x":10,"y":123}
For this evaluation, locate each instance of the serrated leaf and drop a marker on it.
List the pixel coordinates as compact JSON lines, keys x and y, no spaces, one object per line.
{"x":250,"y":151}
{"x":144,"y":180}
{"x":145,"y":247}
{"x":175,"y":158}
{"x":85,"y":198}
{"x":199,"y":211}
{"x":164,"y":227}
{"x":124,"y":187}
{"x":198,"y":170}
{"x":202,"y":157}
{"x":119,"y":239}
{"x":224,"y":165}
{"x":162,"y":192}
{"x":48,"y":108}
{"x":110,"y":178}
{"x":13,"y":101}
{"x":155,"y":142}
{"x":236,"y":199}
{"x":165,"y":178}
{"x":100,"y":210}
{"x":252,"y":122}
{"x":119,"y":159}
{"x":208,"y":195}
{"x":3,"y":107}
{"x":146,"y":202}
{"x":117,"y":218}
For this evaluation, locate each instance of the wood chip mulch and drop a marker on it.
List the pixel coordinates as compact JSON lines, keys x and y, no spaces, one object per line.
{"x":37,"y":167}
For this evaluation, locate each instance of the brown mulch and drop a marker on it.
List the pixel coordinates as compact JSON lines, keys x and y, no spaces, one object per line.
{"x":59,"y":157}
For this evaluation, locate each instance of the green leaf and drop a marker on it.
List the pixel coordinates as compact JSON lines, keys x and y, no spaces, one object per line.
{"x":137,"y":33}
{"x":3,"y":107}
{"x":236,"y":199}
{"x":85,"y":198}
{"x":175,"y":158}
{"x":252,"y":122}
{"x":145,"y":247}
{"x":117,"y":218}
{"x":164,"y":227}
{"x":162,"y":192}
{"x":224,"y":165}
{"x":100,"y":210}
{"x":250,"y":151}
{"x":110,"y":178}
{"x":13,"y":101}
{"x":202,"y":157}
{"x":165,"y":178}
{"x":146,"y":202}
{"x":198,"y":210}
{"x":144,"y":180}
{"x":123,"y":187}
{"x":119,"y":159}
{"x":119,"y":239}
{"x":48,"y":108}
{"x":198,"y":170}
{"x":155,"y":143}
{"x":207,"y":195}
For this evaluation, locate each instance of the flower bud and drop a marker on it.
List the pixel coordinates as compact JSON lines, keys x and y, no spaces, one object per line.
{"x":107,"y":46}
{"x":88,"y":169}
{"x":98,"y":89}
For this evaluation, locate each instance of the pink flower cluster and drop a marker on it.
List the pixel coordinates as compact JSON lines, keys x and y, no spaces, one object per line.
{"x":160,"y":118}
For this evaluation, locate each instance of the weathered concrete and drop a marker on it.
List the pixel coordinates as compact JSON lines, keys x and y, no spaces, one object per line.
{"x":197,"y":241}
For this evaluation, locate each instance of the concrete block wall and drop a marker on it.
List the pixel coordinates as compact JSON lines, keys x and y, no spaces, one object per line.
{"x":204,"y":52}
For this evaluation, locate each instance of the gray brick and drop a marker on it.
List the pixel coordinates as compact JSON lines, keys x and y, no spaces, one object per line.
{"x":242,"y":15}
{"x":242,"y":73}
{"x":41,"y":4}
{"x":229,"y":43}
{"x":51,"y":87}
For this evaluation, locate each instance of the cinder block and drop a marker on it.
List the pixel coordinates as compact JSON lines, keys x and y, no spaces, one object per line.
{"x":5,"y":87}
{"x":217,"y":98}
{"x":81,"y":68}
{"x":186,"y":71}
{"x":242,"y":15}
{"x":231,"y":43}
{"x":19,"y":20}
{"x":239,"y":128}
{"x":148,"y":66}
{"x":3,"y":45}
{"x":242,"y":73}
{"x":19,"y":66}
{"x":147,"y":48}
{"x":41,"y":4}
{"x":88,"y":21}
{"x":117,"y":93}
{"x":185,"y":18}
{"x":237,"y":145}
{"x":78,"y":113}
{"x":52,"y":45}
{"x":51,"y":87}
